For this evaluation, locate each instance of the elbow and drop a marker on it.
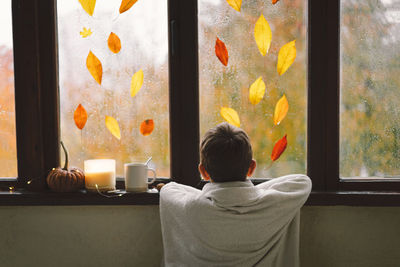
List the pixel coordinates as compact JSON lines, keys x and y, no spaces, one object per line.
{"x":305,"y":182}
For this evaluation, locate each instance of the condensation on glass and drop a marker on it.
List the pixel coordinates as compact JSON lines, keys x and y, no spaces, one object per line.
{"x":8,"y":150}
{"x":229,"y":86}
{"x":370,"y":84}
{"x":143,"y":34}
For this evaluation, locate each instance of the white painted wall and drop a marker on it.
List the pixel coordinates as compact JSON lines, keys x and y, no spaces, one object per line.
{"x":131,"y":236}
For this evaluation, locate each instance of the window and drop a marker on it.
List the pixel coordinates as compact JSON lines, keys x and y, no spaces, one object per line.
{"x":142,"y":35}
{"x":8,"y":150}
{"x":228,"y":86}
{"x":328,"y":43}
{"x":369,"y":107}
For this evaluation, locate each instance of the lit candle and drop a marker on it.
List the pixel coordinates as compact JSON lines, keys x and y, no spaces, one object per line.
{"x":100,"y":172}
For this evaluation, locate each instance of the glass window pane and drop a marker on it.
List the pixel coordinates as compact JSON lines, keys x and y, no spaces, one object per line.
{"x":370,"y":82}
{"x":142,"y":33}
{"x":228,"y":86}
{"x":8,"y":150}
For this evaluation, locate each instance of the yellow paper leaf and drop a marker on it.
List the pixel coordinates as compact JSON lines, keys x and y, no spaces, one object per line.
{"x":94,"y":66}
{"x":281,"y":109}
{"x":114,"y":43}
{"x":136,"y":82}
{"x":113,"y":127}
{"x":286,"y":57}
{"x":126,"y":5}
{"x":85,"y":32}
{"x":88,"y":6}
{"x":231,"y":116}
{"x":257,"y":90}
{"x":263,"y":35}
{"x":235,"y":4}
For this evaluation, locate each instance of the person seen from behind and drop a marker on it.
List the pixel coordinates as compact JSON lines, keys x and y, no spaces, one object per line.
{"x":231,"y":222}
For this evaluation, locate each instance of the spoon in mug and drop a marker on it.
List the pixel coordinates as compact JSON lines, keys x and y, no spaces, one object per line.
{"x":147,"y":162}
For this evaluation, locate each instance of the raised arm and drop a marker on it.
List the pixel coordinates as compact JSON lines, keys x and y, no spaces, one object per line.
{"x":177,"y":194}
{"x":286,"y":194}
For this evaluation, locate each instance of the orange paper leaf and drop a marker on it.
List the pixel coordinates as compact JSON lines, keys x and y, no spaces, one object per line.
{"x":126,"y":5}
{"x":221,"y":52}
{"x":281,"y":109}
{"x":275,"y":1}
{"x":146,"y":127}
{"x":279,"y":148}
{"x":114,"y":43}
{"x":80,"y":117}
{"x":94,"y":66}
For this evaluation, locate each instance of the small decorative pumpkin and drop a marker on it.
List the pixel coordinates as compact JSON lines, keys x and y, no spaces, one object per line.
{"x":66,"y":179}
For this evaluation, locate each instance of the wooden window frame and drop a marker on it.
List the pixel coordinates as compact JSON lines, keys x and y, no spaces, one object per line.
{"x":323,"y":105}
{"x":36,"y":92}
{"x":37,"y":100}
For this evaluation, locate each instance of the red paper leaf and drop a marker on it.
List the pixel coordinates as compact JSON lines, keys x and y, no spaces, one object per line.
{"x":279,"y":148}
{"x":221,"y":52}
{"x":274,"y":2}
{"x":146,"y":127}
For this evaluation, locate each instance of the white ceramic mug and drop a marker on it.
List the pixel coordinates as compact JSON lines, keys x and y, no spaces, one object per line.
{"x":136,"y":177}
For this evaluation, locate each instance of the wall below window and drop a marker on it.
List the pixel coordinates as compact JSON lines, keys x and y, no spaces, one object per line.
{"x":131,"y":236}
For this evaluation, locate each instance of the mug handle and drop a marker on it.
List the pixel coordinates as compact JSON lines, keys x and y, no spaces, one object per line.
{"x":153,"y":179}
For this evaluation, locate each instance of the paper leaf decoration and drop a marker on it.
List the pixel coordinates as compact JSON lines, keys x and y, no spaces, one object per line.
{"x":262,"y":35}
{"x":114,"y":43}
{"x":275,"y":1}
{"x":286,"y":57}
{"x":279,"y":148}
{"x":126,"y":5}
{"x":146,"y":127}
{"x":85,"y":32}
{"x":80,"y":117}
{"x":235,"y":4}
{"x":221,"y":52}
{"x":281,"y":109}
{"x":257,"y":90}
{"x":88,"y":6}
{"x":113,"y":126}
{"x":136,"y":82}
{"x":231,"y":116}
{"x":94,"y":66}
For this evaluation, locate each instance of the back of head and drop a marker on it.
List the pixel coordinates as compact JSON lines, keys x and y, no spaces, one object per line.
{"x":226,"y":153}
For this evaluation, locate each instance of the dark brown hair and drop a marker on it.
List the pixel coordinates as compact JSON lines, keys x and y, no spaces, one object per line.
{"x":226,"y":153}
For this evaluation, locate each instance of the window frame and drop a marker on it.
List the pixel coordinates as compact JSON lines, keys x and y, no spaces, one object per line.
{"x":323,"y":105}
{"x":37,"y":98}
{"x":36,"y":92}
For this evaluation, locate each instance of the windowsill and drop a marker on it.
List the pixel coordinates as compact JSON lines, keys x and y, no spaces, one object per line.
{"x":82,"y":198}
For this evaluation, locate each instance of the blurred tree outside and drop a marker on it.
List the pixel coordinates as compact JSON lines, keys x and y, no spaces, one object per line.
{"x":143,"y":34}
{"x":370,"y":80}
{"x":229,"y":86}
{"x":8,"y":150}
{"x":370,"y":83}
